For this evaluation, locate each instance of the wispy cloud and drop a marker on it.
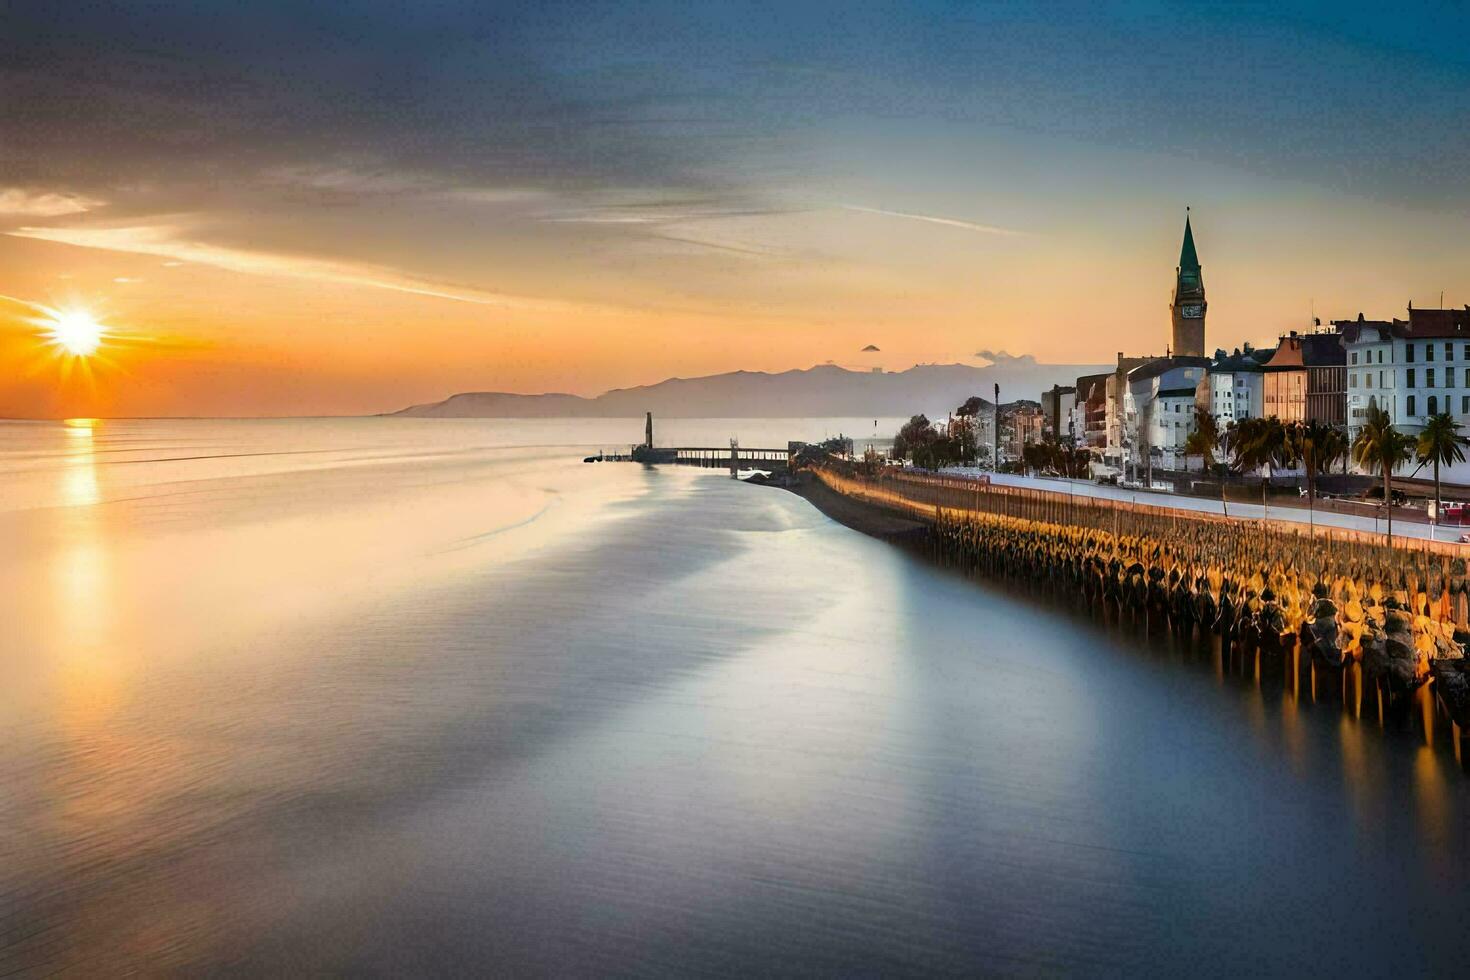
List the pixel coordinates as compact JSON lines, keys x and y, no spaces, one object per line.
{"x":349,"y":182}
{"x":937,"y":220}
{"x":44,"y":204}
{"x":173,"y":242}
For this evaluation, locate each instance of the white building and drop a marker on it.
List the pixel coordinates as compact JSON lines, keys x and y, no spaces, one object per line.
{"x":1411,"y":368}
{"x":1162,"y":396}
{"x":1237,"y":386}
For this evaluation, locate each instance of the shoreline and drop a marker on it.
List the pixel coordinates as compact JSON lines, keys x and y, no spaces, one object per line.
{"x":1394,"y":646}
{"x":860,"y":515}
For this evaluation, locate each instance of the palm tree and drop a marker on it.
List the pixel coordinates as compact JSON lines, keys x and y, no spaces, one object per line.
{"x":1441,"y":442}
{"x":1321,"y":446}
{"x":1264,"y":443}
{"x":1379,"y":446}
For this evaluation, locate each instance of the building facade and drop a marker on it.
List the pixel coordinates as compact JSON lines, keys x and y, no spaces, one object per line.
{"x":1187,"y":305}
{"x":1057,"y":404}
{"x":1022,"y":425}
{"x":1306,"y":379}
{"x":1118,"y":433}
{"x":1162,"y":397}
{"x":1411,"y":368}
{"x":1091,"y":413}
{"x":1238,"y":385}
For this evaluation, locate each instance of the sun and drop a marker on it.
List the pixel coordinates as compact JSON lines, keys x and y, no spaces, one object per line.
{"x":75,"y":332}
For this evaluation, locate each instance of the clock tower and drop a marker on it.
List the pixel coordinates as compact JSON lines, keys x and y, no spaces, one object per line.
{"x":1188,"y":305}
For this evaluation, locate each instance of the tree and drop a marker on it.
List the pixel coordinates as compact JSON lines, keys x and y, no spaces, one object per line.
{"x":1203,"y":439}
{"x":1267,"y":444}
{"x":971,"y":407}
{"x":1203,"y":442}
{"x":917,"y":435}
{"x":1320,"y":446}
{"x":1441,"y":442}
{"x":1379,"y":446}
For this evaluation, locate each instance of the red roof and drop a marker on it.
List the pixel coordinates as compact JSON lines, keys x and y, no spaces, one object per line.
{"x":1421,"y":325}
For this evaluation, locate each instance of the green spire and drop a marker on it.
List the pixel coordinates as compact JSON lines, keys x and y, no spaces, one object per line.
{"x":1188,"y":258}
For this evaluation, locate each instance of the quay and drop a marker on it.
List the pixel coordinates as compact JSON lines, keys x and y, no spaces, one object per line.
{"x":1337,"y":610}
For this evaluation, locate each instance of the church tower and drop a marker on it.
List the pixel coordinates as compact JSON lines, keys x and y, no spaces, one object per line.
{"x":1188,"y":305}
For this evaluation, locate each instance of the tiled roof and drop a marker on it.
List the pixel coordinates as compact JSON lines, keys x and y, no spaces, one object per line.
{"x":1308,"y":350}
{"x":1421,"y":325}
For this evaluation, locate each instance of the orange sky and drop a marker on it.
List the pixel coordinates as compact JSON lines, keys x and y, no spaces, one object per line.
{"x":212,"y":329}
{"x":574,"y":203}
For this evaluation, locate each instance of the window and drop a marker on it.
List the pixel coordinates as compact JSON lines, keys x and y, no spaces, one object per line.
{"x":1368,"y":380}
{"x":1428,"y":377}
{"x":1449,"y":377}
{"x":1409,"y":379}
{"x":1428,"y":353}
{"x":1355,"y":357}
{"x":1409,"y":354}
{"x":1433,"y":405}
{"x":1380,"y":380}
{"x":1465,"y":404}
{"x":1353,"y":380}
{"x":1449,"y":351}
{"x":1411,"y":404}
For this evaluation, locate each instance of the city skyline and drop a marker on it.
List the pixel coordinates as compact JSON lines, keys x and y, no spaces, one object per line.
{"x":578,"y":198}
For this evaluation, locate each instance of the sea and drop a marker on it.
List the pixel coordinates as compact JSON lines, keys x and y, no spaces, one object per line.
{"x":391,"y":696}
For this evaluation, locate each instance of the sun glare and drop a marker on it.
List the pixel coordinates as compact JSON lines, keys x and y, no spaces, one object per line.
{"x":76,"y":332}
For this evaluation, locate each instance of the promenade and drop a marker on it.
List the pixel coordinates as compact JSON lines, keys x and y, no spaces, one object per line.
{"x":1406,"y":522}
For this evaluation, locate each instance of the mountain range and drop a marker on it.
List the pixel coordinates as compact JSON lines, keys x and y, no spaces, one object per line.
{"x":823,"y":391}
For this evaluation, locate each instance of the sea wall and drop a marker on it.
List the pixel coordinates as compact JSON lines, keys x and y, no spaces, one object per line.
{"x":1397,"y":616}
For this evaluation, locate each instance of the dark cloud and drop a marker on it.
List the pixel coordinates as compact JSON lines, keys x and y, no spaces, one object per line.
{"x":709,"y":96}
{"x":125,"y":94}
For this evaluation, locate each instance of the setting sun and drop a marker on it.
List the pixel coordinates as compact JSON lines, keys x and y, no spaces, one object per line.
{"x":76,"y":332}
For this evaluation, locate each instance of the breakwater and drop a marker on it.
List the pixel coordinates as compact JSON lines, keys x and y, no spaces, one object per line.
{"x":1386,"y":625}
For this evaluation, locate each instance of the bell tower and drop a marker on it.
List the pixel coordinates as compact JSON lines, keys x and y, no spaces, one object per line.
{"x":1187,"y":307}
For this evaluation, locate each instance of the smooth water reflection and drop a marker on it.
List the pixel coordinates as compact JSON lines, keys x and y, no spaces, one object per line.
{"x":409,"y":696}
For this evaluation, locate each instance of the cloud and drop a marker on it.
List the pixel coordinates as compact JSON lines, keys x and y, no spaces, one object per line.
{"x":44,"y":204}
{"x":351,"y":182}
{"x":933,"y":220}
{"x":1001,"y":357}
{"x":171,"y":241}
{"x":871,"y":349}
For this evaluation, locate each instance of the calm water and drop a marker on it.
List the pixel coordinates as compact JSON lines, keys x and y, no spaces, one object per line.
{"x":391,"y":695}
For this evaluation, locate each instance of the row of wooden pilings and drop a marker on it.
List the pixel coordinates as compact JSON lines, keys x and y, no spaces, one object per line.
{"x":1342,"y":606}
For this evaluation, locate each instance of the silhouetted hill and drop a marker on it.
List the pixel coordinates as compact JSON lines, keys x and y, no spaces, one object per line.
{"x":823,"y":391}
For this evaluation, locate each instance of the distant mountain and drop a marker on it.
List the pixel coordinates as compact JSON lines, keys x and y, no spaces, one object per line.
{"x":823,"y":391}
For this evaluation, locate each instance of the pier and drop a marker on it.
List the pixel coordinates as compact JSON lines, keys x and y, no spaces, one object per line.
{"x":733,"y":457}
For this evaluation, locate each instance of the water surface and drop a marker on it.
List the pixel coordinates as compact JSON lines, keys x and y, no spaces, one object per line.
{"x":392,"y":695}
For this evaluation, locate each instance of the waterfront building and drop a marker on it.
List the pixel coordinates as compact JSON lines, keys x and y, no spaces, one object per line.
{"x":1023,"y":423}
{"x":1115,"y":413}
{"x":1187,"y":304}
{"x":1162,"y":397}
{"x":1056,"y":405}
{"x":1306,"y":379}
{"x":1090,"y":413}
{"x":1411,"y":368}
{"x":1237,"y":385}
